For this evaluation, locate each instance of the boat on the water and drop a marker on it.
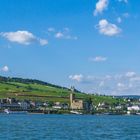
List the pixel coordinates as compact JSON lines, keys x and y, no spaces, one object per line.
{"x":7,"y":111}
{"x":76,"y":112}
{"x":138,"y":113}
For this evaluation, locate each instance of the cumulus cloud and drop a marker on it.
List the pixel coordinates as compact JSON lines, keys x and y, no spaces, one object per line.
{"x":59,"y":35}
{"x":98,"y":59}
{"x":101,"y":5}
{"x":65,"y":35}
{"x":43,"y":42}
{"x":23,"y":37}
{"x":130,"y":74}
{"x":107,"y":28}
{"x":120,"y":85}
{"x":76,"y":77}
{"x":4,"y":69}
{"x":117,"y":84}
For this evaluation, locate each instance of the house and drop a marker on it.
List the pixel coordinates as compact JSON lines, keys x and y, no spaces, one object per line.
{"x":32,"y":104}
{"x":118,"y":107}
{"x":45,"y":104}
{"x":104,"y":105}
{"x":65,"y":106}
{"x":24,"y":105}
{"x":133,"y":108}
{"x":39,"y":104}
{"x":88,"y":106}
{"x":57,"y":105}
{"x":10,"y":106}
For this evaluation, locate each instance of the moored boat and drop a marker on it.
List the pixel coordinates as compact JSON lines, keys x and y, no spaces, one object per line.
{"x":76,"y":112}
{"x":6,"y":111}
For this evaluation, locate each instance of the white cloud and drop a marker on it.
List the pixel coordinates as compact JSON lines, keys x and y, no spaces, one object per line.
{"x":101,"y":84}
{"x":76,"y":77}
{"x":135,"y":79}
{"x":107,"y":28}
{"x":118,"y":84}
{"x":59,"y":35}
{"x":101,"y":5}
{"x":130,"y":74}
{"x":108,"y":77}
{"x":71,"y":37}
{"x":51,"y":29}
{"x":4,"y":69}
{"x":43,"y":42}
{"x":98,"y":59}
{"x":65,"y":34}
{"x":121,"y":87}
{"x":23,"y":37}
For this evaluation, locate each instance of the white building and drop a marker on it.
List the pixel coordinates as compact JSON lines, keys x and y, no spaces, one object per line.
{"x":134,"y":107}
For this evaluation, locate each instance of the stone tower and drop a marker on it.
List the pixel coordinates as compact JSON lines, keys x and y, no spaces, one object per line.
{"x":72,"y":95}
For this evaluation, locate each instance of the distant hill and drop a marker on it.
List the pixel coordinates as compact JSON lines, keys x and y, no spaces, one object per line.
{"x":28,"y":81}
{"x":37,"y":90}
{"x":129,"y":96}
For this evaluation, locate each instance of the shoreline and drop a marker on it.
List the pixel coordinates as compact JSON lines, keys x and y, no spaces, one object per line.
{"x":35,"y":113}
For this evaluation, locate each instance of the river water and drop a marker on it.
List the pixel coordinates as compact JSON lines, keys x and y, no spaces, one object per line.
{"x":69,"y":127}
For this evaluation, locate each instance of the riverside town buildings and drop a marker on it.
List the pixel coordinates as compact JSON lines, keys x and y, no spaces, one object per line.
{"x":75,"y":103}
{"x":78,"y":104}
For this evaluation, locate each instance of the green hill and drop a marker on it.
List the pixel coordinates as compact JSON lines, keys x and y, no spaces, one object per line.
{"x":42,"y":91}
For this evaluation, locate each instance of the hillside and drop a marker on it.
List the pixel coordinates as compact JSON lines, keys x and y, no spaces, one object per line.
{"x":42,"y":91}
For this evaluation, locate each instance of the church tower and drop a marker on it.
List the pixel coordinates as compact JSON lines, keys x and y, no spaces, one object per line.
{"x":72,"y":95}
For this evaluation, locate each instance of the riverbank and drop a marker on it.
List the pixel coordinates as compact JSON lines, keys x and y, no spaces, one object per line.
{"x":63,"y":112}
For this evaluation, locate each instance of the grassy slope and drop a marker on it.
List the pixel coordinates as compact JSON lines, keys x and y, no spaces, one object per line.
{"x":16,"y":89}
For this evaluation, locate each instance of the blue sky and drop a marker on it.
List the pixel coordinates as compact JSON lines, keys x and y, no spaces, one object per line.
{"x":90,"y":44}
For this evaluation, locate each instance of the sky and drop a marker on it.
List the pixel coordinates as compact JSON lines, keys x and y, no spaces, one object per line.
{"x":93,"y":45}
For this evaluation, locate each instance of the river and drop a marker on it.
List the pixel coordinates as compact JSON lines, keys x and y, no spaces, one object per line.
{"x":69,"y":127}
